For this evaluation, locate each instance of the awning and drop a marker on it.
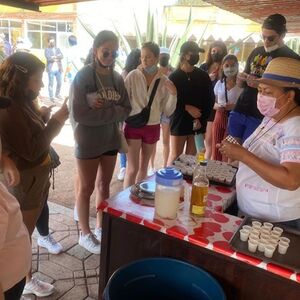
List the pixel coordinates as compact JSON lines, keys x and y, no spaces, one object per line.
{"x":258,"y":10}
{"x":35,"y":4}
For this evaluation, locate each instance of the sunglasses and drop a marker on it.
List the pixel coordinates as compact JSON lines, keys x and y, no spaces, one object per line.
{"x":270,"y":38}
{"x":113,"y":54}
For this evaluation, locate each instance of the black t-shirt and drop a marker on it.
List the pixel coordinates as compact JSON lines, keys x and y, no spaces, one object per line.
{"x":256,"y":65}
{"x":195,"y":89}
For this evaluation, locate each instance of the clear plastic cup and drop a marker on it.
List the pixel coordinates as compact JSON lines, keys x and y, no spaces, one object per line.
{"x":277,"y":230}
{"x":268,"y":225}
{"x":264,"y":230}
{"x":244,"y":234}
{"x":256,"y":224}
{"x":255,"y":231}
{"x":284,"y":239}
{"x":282,"y":247}
{"x":252,"y":245}
{"x":247,"y":227}
{"x":269,"y":250}
{"x":253,"y":235}
{"x":261,"y":245}
{"x":265,"y":236}
{"x":253,"y":238}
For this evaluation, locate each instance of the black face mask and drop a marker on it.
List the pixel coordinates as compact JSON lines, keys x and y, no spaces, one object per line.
{"x":164,"y":61}
{"x":194,"y":58}
{"x":216,"y":57}
{"x":31,"y":95}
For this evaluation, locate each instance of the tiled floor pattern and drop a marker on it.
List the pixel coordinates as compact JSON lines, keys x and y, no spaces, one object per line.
{"x":74,"y":273}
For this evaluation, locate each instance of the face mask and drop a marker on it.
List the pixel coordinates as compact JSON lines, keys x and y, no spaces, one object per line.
{"x":164,"y":61}
{"x":194,"y":58}
{"x":230,"y":71}
{"x":272,"y":48}
{"x":151,"y":70}
{"x":216,"y":57}
{"x":31,"y":95}
{"x":266,"y":105}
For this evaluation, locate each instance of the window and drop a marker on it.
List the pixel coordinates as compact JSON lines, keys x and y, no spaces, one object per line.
{"x":40,"y":31}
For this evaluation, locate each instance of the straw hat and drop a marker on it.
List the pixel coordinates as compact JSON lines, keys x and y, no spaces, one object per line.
{"x":282,"y":72}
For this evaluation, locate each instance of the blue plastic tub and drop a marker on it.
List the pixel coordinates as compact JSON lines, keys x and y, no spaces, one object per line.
{"x":162,"y":279}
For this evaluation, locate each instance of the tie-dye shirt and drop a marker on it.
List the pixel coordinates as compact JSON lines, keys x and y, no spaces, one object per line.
{"x":276,"y":143}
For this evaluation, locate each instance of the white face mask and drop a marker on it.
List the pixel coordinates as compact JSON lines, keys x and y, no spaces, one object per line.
{"x":272,"y":48}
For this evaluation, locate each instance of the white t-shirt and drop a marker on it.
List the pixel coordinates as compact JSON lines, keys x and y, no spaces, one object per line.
{"x":258,"y":198}
{"x":163,"y":101}
{"x":15,"y":248}
{"x":232,"y":94}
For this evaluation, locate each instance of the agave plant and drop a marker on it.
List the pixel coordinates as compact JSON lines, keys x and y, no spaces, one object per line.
{"x":152,"y":33}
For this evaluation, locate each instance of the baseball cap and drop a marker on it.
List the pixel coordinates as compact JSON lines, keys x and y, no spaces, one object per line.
{"x":164,"y":50}
{"x":190,"y":46}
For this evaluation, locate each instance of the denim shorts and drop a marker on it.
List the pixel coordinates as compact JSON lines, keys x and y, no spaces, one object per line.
{"x":164,"y":119}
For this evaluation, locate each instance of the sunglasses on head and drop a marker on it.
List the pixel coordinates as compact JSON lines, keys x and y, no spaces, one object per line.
{"x":114,"y":54}
{"x":270,"y":38}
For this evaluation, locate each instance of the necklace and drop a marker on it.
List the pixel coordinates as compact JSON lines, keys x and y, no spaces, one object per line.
{"x":260,"y":133}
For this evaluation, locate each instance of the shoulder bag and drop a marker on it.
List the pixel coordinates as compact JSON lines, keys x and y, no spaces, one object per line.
{"x":141,"y":119}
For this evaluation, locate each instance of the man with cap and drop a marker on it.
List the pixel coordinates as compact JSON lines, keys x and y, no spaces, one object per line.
{"x":245,"y":118}
{"x":195,"y":100}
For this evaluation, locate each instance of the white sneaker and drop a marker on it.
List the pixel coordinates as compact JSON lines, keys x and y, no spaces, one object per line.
{"x":150,"y":171}
{"x":50,"y":244}
{"x":89,"y":242}
{"x":98,"y":233}
{"x":38,"y":288}
{"x":121,"y":174}
{"x":75,"y":214}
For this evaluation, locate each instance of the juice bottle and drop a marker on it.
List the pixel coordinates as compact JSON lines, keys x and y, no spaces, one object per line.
{"x":199,"y":189}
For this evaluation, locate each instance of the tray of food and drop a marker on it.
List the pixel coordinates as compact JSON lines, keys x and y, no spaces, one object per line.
{"x":218,"y":172}
{"x":270,"y":242}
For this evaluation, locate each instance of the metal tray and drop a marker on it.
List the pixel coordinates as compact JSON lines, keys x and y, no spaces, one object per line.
{"x":290,"y":260}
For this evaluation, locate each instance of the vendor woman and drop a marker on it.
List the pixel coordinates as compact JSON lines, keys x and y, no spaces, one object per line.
{"x":268,"y":179}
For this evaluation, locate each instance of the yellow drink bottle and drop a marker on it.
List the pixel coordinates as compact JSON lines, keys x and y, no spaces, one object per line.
{"x":199,"y":189}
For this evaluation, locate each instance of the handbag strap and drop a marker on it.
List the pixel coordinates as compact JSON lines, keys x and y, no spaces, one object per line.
{"x":153,"y":92}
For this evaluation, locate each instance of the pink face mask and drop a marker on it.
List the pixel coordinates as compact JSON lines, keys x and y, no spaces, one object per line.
{"x":266,"y":105}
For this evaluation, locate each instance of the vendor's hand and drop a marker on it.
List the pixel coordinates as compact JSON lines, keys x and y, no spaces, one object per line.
{"x":231,"y":150}
{"x":194,"y":111}
{"x":170,"y":87}
{"x":10,"y":171}
{"x":63,"y":113}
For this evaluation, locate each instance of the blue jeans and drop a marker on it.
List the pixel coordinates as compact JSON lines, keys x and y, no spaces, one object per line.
{"x":242,"y":126}
{"x":58,"y":77}
{"x":123,"y":160}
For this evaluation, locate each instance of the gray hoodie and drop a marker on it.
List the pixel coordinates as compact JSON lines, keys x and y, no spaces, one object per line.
{"x":96,"y":130}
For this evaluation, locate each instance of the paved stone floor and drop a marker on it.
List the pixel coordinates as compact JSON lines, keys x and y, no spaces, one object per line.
{"x":74,"y":273}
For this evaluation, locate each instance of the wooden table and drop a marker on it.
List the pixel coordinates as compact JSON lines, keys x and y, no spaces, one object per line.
{"x":132,"y":231}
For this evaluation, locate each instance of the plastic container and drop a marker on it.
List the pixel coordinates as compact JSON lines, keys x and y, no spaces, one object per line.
{"x":162,"y":279}
{"x":167,"y":192}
